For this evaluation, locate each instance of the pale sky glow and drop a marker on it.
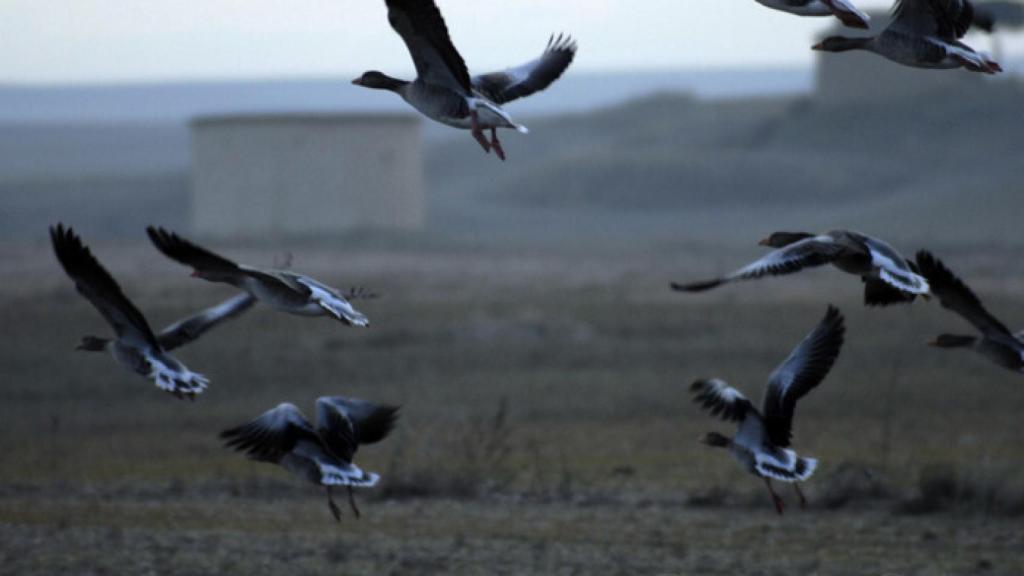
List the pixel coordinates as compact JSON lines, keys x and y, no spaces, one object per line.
{"x":58,"y":41}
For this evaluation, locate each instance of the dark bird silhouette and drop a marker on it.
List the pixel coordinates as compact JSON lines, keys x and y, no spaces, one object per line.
{"x":762,"y":440}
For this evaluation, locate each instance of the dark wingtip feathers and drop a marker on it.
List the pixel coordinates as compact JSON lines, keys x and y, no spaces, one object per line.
{"x":184,"y":252}
{"x":74,"y":256}
{"x":697,"y":286}
{"x":706,"y":394}
{"x":834,"y":318}
{"x":379,"y":424}
{"x":561,"y":43}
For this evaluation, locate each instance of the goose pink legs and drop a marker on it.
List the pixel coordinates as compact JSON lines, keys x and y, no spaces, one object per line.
{"x":800,"y":494}
{"x":775,"y":497}
{"x":478,"y":133}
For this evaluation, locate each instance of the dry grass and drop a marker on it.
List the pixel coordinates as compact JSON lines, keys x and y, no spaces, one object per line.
{"x":543,"y":430}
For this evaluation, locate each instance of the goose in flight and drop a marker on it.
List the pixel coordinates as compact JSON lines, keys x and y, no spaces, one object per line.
{"x":888,"y":277}
{"x":136,"y":347}
{"x":322,"y":455}
{"x":842,"y":9}
{"x":922,"y":34}
{"x":762,"y":440}
{"x":996,"y":342}
{"x":443,"y":89}
{"x":281,"y":289}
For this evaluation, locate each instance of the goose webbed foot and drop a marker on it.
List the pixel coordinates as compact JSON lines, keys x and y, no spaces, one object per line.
{"x":478,"y":133}
{"x":496,"y":144}
{"x":335,"y":511}
{"x":352,"y":502}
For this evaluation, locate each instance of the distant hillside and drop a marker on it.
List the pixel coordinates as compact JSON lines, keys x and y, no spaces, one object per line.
{"x":83,"y":150}
{"x":177,"y":102}
{"x":666,"y":169}
{"x":705,"y":165}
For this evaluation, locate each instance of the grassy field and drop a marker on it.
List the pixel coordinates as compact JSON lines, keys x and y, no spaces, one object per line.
{"x":546,"y":425}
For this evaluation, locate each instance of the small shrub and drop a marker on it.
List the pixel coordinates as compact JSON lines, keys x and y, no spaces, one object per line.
{"x":942,"y":488}
{"x":850,"y":483}
{"x":476,"y":458}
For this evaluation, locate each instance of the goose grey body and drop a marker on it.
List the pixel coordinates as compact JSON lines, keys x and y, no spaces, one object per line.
{"x":443,"y":89}
{"x":281,"y":289}
{"x":762,"y":441}
{"x":996,"y":342}
{"x":922,"y":34}
{"x":841,"y":9}
{"x":320,"y":455}
{"x":135,"y":346}
{"x":888,"y":277}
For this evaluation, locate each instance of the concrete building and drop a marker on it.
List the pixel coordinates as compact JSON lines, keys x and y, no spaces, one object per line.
{"x":859,"y":76}
{"x":305,"y":175}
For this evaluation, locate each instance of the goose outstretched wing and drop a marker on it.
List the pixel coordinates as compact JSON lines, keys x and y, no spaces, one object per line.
{"x":534,"y":76}
{"x":188,"y":329}
{"x":184,"y":252}
{"x":345,"y":423}
{"x":805,"y":368}
{"x":954,"y":295}
{"x":721,"y":400}
{"x":945,"y":19}
{"x":272,"y":435}
{"x":97,"y":285}
{"x":806,"y":253}
{"x":421,"y":26}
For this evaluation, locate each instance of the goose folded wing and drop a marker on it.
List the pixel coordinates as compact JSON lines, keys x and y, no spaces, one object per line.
{"x":180,"y":250}
{"x":272,"y":435}
{"x":97,"y":285}
{"x":805,"y":368}
{"x":188,"y":329}
{"x":806,"y":253}
{"x":534,"y":76}
{"x":336,"y":429}
{"x":421,"y":26}
{"x":848,"y":13}
{"x":894,"y":269}
{"x":944,"y":19}
{"x":720,"y":399}
{"x":954,"y":295}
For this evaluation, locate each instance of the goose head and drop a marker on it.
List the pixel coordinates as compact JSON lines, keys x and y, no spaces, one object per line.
{"x":841,"y":44}
{"x":379,"y":81}
{"x":952,"y":341}
{"x":780,"y":239}
{"x":214,"y":275}
{"x":716,"y":440}
{"x":93,"y":344}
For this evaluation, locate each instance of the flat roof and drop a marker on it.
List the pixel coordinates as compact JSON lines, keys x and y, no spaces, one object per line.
{"x":306,"y":117}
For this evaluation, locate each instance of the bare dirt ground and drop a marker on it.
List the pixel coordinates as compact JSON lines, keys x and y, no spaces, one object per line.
{"x":546,"y":425}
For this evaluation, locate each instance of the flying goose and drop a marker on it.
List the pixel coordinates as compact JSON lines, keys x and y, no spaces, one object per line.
{"x":136,"y":347}
{"x":888,"y":277}
{"x":996,"y":343}
{"x":922,"y":34}
{"x":842,"y":9}
{"x":762,"y":440}
{"x":443,"y":89}
{"x":321,"y":455}
{"x":281,"y":289}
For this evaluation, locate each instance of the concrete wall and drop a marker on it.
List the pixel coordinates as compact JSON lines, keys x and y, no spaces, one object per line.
{"x":305,"y":175}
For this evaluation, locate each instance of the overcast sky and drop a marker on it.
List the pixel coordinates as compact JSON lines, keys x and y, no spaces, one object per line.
{"x":132,"y":40}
